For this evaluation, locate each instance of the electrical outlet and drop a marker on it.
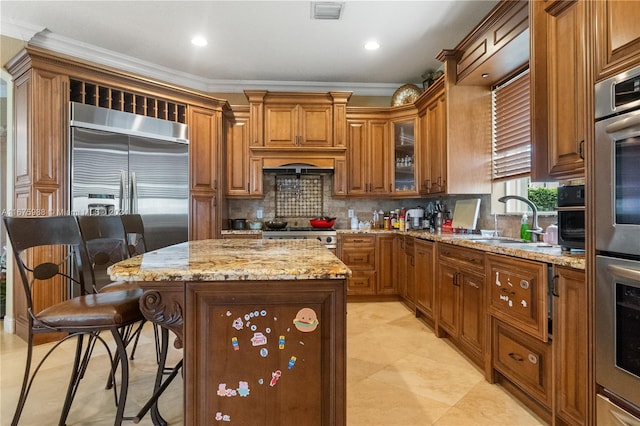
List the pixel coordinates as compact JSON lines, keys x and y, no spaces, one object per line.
{"x":351,"y":214}
{"x":259,"y":214}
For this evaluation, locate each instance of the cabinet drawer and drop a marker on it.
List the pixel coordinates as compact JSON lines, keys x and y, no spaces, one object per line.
{"x":358,"y":241}
{"x":466,"y":257}
{"x":361,"y":283}
{"x":518,"y":293}
{"x":359,"y":259}
{"x":524,"y":360}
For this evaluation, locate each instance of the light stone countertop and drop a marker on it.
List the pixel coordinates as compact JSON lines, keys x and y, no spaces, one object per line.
{"x":234,"y":259}
{"x":539,"y":252}
{"x":532,"y":251}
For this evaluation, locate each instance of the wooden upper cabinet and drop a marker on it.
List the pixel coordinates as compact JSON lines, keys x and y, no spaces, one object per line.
{"x":560,"y":97}
{"x":298,"y":125}
{"x":432,"y":149}
{"x":297,"y":119}
{"x":368,"y":157}
{"x":244,"y":173}
{"x":206,"y":142}
{"x":496,"y":46}
{"x":617,"y":36}
{"x":404,"y":137}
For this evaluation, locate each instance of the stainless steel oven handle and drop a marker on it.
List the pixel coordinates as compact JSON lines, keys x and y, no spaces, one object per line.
{"x":623,"y":124}
{"x":621,"y":271}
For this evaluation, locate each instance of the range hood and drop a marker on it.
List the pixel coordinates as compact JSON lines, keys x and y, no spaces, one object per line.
{"x":298,"y":165}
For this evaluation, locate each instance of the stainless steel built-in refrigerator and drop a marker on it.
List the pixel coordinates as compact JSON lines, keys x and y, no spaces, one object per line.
{"x":128,"y":163}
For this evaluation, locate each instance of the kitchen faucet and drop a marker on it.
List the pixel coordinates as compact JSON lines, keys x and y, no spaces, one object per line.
{"x":536,"y":228}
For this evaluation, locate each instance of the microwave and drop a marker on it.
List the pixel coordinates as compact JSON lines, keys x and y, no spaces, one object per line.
{"x":571,"y":233}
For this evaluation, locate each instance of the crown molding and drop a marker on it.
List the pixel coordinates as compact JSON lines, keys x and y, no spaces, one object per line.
{"x":43,"y":38}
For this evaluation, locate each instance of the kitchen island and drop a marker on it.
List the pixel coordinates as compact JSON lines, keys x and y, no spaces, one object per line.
{"x":262,"y":324}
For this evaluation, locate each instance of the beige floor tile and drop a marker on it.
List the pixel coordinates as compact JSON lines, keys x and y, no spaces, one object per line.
{"x":398,"y":374}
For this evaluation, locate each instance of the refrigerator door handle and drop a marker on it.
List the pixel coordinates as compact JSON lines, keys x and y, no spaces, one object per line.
{"x":123,"y":179}
{"x":134,"y":193}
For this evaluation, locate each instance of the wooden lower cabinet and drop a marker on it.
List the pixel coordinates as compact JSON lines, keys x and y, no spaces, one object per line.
{"x":404,"y":258}
{"x":570,"y":347}
{"x":374,"y":263}
{"x":460,"y":303}
{"x":425,"y":279}
{"x":358,"y":252}
{"x":525,"y":361}
{"x":386,"y":269}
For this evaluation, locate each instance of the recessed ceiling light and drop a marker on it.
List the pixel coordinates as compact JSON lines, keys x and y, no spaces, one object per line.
{"x":372,"y":45}
{"x":199,"y":41}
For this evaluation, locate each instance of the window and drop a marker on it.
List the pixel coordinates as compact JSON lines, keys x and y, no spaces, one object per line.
{"x":511,"y":150}
{"x":511,"y":133}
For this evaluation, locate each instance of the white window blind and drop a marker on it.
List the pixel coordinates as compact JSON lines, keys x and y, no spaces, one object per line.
{"x":512,"y":128}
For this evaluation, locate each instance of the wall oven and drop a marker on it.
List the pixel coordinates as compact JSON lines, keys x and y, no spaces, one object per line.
{"x":618,"y":328}
{"x":617,"y":238}
{"x":617,"y":165}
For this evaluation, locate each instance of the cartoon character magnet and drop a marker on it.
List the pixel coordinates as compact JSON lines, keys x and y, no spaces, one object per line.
{"x":306,"y":320}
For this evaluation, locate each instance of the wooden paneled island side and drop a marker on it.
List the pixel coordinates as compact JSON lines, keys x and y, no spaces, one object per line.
{"x":262,"y":324}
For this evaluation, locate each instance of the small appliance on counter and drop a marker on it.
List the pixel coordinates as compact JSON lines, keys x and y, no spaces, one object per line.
{"x":571,"y":217}
{"x":416,"y":217}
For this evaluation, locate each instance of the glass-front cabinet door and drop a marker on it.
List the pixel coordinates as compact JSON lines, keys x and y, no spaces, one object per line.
{"x":404,"y":180}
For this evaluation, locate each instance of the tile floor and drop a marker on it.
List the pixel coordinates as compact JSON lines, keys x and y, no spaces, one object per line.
{"x":399,"y":374}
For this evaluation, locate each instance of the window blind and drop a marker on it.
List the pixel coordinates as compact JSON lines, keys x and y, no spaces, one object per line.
{"x":511,"y":155}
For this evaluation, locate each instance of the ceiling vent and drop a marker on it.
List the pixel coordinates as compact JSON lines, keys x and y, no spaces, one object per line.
{"x":326,"y":10}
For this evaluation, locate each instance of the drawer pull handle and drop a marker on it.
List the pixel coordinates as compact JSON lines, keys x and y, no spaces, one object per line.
{"x":554,"y":286}
{"x":524,"y":284}
{"x":504,"y":290}
{"x":516,"y":357}
{"x":532,"y":358}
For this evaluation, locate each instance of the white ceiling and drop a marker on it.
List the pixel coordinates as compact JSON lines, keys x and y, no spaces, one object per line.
{"x":272,"y":45}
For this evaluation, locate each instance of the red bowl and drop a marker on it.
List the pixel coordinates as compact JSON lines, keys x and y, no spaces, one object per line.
{"x":322,"y":223}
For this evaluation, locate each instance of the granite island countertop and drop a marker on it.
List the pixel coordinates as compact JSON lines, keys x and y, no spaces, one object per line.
{"x":234,"y":259}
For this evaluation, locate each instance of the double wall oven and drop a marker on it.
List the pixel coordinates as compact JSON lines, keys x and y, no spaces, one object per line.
{"x":617,"y":237}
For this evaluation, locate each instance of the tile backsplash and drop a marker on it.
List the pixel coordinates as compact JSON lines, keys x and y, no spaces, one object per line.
{"x":319,"y":200}
{"x":299,"y":196}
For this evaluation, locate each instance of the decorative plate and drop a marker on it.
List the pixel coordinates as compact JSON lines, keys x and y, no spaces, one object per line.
{"x":405,"y":94}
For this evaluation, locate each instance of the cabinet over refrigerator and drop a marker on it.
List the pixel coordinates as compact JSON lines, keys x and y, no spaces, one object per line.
{"x":129,"y":163}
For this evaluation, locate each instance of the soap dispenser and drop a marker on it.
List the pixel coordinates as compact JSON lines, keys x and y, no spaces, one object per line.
{"x":524,"y":227}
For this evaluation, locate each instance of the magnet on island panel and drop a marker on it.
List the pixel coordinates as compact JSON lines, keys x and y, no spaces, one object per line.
{"x":306,"y":320}
{"x":275,"y":376}
{"x":258,"y":339}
